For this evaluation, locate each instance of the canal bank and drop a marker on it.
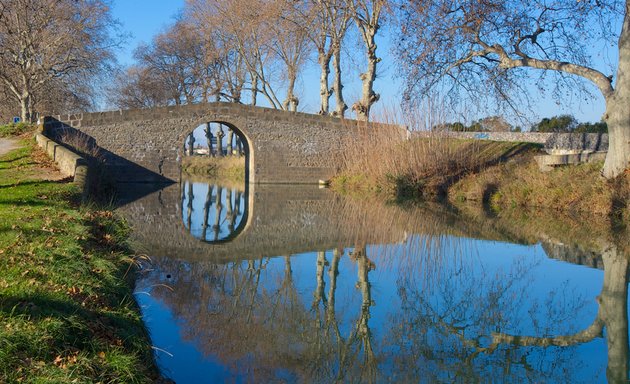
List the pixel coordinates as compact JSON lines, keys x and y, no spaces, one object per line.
{"x":66,"y":276}
{"x":502,"y":175}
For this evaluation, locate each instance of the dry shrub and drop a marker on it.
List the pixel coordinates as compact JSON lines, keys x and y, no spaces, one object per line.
{"x":385,"y":160}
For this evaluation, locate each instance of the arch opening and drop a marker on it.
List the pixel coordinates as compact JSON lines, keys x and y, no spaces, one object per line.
{"x":218,"y":149}
{"x":215,"y":175}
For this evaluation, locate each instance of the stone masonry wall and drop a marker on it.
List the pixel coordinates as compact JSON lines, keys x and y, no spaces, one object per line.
{"x":283,"y":147}
{"x":553,"y":142}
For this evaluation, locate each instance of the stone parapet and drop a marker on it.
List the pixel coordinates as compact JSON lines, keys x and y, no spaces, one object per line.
{"x":554,"y":143}
{"x":69,"y":163}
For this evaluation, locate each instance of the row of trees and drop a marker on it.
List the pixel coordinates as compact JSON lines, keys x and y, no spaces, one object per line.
{"x":568,"y":123}
{"x":244,"y":51}
{"x":559,"y":124}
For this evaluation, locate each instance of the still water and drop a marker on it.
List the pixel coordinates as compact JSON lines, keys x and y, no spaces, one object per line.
{"x":297,"y":284}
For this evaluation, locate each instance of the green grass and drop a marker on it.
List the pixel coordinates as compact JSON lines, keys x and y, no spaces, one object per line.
{"x":14,"y":129}
{"x":66,"y":308}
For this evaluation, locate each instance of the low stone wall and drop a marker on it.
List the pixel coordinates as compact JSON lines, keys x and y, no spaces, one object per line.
{"x":554,"y":143}
{"x":523,"y":137}
{"x":69,"y":163}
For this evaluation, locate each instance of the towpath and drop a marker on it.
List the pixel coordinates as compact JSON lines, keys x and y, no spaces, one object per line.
{"x":7,"y":145}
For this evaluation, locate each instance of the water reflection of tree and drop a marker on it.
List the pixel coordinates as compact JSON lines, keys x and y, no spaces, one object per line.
{"x":453,"y":325}
{"x":227,"y":210}
{"x":261,"y":330}
{"x":467,"y":329}
{"x":612,"y":315}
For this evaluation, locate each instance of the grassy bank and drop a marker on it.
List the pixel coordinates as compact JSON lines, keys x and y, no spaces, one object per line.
{"x":578,"y":188}
{"x":503,"y":175}
{"x":228,"y":167}
{"x":66,"y":304}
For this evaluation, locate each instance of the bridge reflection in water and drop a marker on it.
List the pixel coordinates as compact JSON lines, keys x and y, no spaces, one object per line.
{"x":222,"y":210}
{"x":317,"y":288}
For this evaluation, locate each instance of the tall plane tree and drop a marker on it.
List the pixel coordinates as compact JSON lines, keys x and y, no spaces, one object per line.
{"x":331,"y":21}
{"x":367,"y":16}
{"x":483,"y":46}
{"x":46,"y":41}
{"x":176,"y":56}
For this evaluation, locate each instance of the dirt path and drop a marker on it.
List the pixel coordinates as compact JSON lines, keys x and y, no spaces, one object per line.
{"x":7,"y":145}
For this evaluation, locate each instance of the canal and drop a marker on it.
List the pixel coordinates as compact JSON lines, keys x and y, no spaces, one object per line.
{"x":287,"y":283}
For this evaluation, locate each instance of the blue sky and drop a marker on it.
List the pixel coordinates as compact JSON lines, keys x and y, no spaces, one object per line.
{"x":142,"y":19}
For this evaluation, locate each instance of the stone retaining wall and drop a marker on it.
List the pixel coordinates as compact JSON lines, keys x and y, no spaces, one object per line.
{"x":69,"y":163}
{"x":554,"y":143}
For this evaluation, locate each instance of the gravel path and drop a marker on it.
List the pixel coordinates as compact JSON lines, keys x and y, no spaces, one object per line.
{"x":7,"y":145}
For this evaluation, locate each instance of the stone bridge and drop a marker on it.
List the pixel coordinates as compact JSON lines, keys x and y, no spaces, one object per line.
{"x":282,"y":147}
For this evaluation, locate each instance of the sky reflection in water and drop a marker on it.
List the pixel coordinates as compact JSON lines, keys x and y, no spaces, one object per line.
{"x":426,"y":308}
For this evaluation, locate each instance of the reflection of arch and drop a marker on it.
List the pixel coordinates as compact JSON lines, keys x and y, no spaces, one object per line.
{"x":241,"y":134}
{"x":228,"y":206}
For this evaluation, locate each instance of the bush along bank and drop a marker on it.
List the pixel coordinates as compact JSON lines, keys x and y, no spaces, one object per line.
{"x":66,"y":276}
{"x":571,"y":188}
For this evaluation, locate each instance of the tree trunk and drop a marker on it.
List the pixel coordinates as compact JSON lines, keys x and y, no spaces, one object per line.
{"x":189,"y":206}
{"x":291,"y":102}
{"x":218,"y":205}
{"x":209,"y":139}
{"x":341,"y":107}
{"x":324,"y":90}
{"x":319,"y":295}
{"x":191,"y":144}
{"x":206,"y":213}
{"x":25,"y":104}
{"x":617,"y":113}
{"x":230,"y":138}
{"x":613,"y":303}
{"x":254,"y":89}
{"x":220,"y":135}
{"x":368,"y":97}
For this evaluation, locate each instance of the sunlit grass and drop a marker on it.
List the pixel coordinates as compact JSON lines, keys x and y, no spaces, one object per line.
{"x":65,"y":304}
{"x":227,"y":167}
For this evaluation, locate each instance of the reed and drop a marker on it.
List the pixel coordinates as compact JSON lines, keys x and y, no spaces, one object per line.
{"x":378,"y":160}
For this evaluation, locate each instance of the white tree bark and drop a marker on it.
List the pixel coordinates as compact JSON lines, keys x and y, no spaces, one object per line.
{"x":617,"y":109}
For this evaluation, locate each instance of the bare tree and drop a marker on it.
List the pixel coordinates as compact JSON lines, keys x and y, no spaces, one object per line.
{"x":176,"y":57}
{"x":367,"y":16}
{"x":138,"y":88}
{"x":331,"y":21}
{"x":45,"y":40}
{"x":290,"y":42}
{"x":244,"y":27}
{"x":482,"y":47}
